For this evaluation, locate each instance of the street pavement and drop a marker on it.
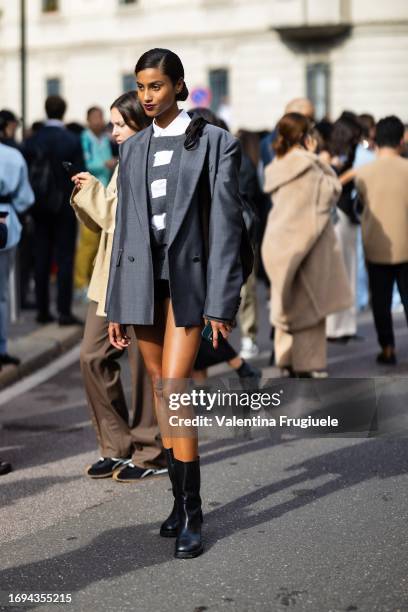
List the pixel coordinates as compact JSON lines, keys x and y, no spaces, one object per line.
{"x":291,"y":522}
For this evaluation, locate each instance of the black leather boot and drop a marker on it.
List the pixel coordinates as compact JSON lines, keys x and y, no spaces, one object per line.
{"x":188,"y":543}
{"x":169,"y":527}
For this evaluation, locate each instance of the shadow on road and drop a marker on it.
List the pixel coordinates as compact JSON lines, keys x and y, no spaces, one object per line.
{"x":116,"y":552}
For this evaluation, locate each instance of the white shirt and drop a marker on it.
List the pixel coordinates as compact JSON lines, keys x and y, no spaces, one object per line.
{"x":177,"y":127}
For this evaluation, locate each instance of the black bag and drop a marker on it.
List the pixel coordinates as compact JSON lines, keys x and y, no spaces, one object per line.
{"x":49,"y":197}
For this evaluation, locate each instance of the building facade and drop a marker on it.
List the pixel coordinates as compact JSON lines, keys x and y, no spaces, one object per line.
{"x":254,"y":56}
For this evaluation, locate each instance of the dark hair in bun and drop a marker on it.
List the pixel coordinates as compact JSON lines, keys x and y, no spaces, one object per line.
{"x":292,"y":130}
{"x":169,"y":63}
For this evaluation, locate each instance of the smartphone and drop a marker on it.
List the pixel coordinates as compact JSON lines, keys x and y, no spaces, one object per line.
{"x":69,"y":168}
{"x":3,"y":214}
{"x":207,"y":332}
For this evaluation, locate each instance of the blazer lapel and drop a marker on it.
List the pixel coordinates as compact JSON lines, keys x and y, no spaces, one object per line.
{"x":191,"y":165}
{"x":138,"y":180}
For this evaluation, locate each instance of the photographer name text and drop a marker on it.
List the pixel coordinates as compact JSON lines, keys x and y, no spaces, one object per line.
{"x":254,"y":421}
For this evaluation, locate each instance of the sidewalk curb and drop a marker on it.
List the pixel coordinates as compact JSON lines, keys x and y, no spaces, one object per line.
{"x":38,"y":349}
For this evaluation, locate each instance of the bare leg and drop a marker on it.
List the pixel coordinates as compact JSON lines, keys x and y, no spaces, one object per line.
{"x":180,"y":350}
{"x":150,"y":339}
{"x":169,"y":353}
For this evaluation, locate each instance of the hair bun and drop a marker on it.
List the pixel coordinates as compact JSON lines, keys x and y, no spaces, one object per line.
{"x":280,"y":146}
{"x":184,"y":93}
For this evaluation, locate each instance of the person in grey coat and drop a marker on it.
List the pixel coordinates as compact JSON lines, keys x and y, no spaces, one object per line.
{"x":175,"y":261}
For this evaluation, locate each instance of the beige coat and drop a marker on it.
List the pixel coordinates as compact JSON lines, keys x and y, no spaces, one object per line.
{"x":383,"y":186}
{"x":300,"y":251}
{"x":95,"y":206}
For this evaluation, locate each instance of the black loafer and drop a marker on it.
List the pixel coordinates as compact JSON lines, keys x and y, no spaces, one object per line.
{"x":44,"y":318}
{"x":105,"y":467}
{"x":5,"y":467}
{"x":384,"y":359}
{"x":6,"y":359}
{"x":133,"y":473}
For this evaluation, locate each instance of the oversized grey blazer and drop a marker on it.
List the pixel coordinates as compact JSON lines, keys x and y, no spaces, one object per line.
{"x":197,"y":287}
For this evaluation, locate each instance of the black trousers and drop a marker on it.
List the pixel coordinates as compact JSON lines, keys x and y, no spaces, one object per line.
{"x":26,"y":256}
{"x":382,"y":278}
{"x":55,"y":236}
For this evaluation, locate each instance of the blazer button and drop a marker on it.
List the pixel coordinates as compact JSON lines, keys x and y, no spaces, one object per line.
{"x":196,"y":258}
{"x":131,"y":258}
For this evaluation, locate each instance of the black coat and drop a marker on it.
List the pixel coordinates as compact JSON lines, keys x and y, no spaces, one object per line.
{"x":59,"y":144}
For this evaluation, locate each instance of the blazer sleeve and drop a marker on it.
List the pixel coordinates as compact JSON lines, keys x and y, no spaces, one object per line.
{"x":117,"y":229}
{"x":224,"y":270}
{"x":95,"y":206}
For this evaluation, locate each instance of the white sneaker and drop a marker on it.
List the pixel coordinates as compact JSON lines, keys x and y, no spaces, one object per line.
{"x":249,"y":348}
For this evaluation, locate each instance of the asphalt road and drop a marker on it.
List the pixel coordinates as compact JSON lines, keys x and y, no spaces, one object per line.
{"x":291,"y":522}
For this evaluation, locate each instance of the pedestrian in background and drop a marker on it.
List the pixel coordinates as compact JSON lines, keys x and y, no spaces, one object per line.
{"x":365,"y":153}
{"x":300,"y":251}
{"x":99,"y":162}
{"x":305,"y":107}
{"x":250,"y":189}
{"x":383,"y":189}
{"x":10,"y":125}
{"x":345,"y":136}
{"x":16,"y":196}
{"x":127,"y":453}
{"x":5,"y":466}
{"x":55,"y":221}
{"x":25,"y":249}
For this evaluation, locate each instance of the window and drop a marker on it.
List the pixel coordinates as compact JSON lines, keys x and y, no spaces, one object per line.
{"x":219,"y":87}
{"x":50,"y":6}
{"x":128,"y":82}
{"x":318,"y":88}
{"x":53,"y":87}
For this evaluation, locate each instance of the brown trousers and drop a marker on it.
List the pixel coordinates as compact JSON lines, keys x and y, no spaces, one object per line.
{"x":248,"y":311}
{"x":107,"y":402}
{"x":304,"y":350}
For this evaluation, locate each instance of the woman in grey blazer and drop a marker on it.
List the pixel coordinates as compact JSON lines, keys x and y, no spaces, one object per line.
{"x":175,"y":261}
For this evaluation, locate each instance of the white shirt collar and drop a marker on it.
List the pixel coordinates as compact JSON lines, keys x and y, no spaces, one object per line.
{"x":54,"y":123}
{"x":177,"y":127}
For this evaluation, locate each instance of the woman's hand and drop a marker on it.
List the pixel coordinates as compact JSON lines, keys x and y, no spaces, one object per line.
{"x":219,"y":328}
{"x":311,"y":143}
{"x":325,"y":157}
{"x":111,"y":163}
{"x":81,"y":179}
{"x":118,"y":336}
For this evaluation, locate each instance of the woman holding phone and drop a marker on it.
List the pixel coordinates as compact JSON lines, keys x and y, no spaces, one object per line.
{"x":127,"y":454}
{"x":170,"y":272}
